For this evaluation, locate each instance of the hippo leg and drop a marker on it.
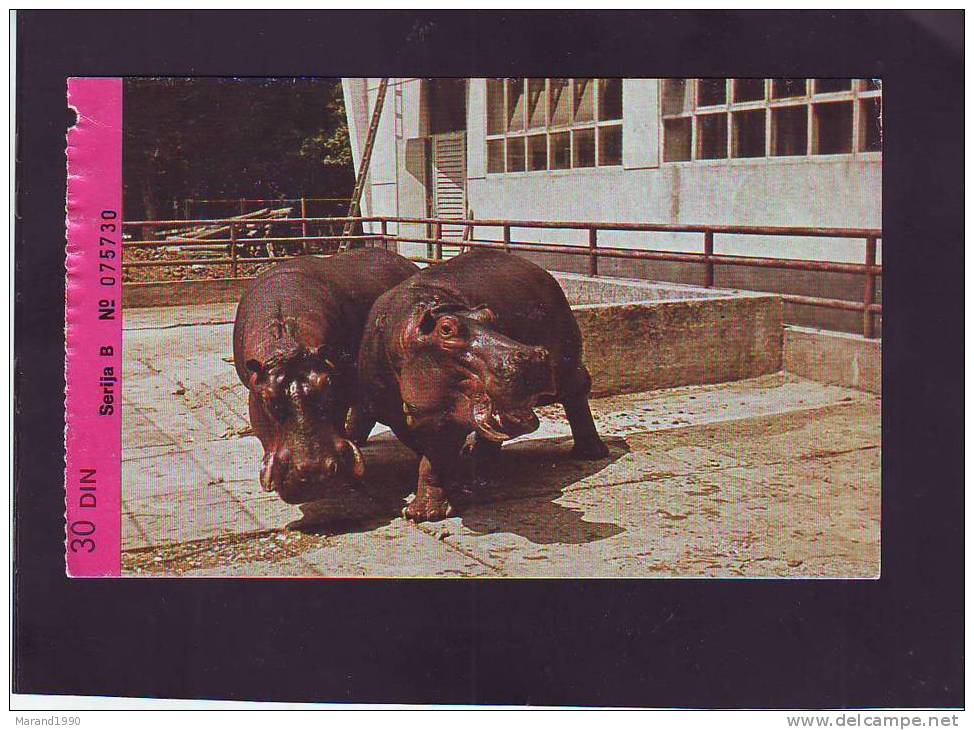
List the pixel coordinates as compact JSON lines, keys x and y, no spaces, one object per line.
{"x":482,"y":450}
{"x":358,"y":425}
{"x":588,"y":444}
{"x":265,"y":430}
{"x":437,"y":476}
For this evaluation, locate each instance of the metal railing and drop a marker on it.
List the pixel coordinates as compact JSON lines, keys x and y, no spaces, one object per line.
{"x":593,"y":252}
{"x":189,"y":208}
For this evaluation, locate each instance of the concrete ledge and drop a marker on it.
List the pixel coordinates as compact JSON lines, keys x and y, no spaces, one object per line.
{"x":631,"y":348}
{"x":834,"y":358}
{"x":176,"y":293}
{"x":637,"y":336}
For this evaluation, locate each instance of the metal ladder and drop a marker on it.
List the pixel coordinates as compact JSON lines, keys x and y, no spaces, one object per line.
{"x":354,"y":205}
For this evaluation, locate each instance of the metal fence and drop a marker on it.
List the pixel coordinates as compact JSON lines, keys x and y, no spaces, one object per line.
{"x":190,"y":208}
{"x":302,"y":240}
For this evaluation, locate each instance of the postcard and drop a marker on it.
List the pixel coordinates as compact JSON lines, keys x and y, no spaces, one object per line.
{"x":474,"y":327}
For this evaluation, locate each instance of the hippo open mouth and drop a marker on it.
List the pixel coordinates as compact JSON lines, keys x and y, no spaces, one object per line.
{"x":503,"y":425}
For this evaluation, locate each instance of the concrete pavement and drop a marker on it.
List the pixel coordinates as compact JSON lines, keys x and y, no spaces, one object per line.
{"x":773,"y":476}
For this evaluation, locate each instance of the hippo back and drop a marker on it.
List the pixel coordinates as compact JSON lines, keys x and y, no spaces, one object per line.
{"x":309,"y":301}
{"x":529,"y":303}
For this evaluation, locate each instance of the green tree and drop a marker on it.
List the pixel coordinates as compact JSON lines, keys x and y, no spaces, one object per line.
{"x":232,"y":138}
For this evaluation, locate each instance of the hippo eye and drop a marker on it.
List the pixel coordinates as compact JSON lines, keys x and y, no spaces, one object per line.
{"x":447,"y":327}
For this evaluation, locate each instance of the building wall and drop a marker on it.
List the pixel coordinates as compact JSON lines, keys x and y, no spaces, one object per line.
{"x":837,"y":191}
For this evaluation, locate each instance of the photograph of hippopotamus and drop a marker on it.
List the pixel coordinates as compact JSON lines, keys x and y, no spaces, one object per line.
{"x":445,"y":353}
{"x":295,"y":344}
{"x":472,"y":347}
{"x":502,"y":327}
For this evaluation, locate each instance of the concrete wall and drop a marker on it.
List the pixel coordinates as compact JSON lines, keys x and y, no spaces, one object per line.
{"x":631,"y":348}
{"x":181,"y":293}
{"x":634,"y":338}
{"x":834,"y":358}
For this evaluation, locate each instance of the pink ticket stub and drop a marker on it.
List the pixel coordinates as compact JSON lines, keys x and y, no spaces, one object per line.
{"x":93,"y":313}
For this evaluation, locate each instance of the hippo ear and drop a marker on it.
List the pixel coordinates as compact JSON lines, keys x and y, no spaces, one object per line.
{"x":254,"y":367}
{"x":427,"y":322}
{"x":483,"y":314}
{"x":419,"y":326}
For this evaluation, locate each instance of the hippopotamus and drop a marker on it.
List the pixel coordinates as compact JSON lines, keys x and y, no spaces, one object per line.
{"x":471,"y":346}
{"x":295,"y":339}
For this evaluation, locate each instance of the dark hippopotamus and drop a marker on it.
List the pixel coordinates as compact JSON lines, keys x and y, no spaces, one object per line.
{"x":295,"y":338}
{"x":472,"y":346}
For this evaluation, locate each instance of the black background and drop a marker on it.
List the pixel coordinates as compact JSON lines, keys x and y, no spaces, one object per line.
{"x":667,"y":643}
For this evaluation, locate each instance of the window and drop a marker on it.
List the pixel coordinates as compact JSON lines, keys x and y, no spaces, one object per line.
{"x":788,"y":88}
{"x":677,"y":137}
{"x":583,"y":151}
{"x":495,"y":155}
{"x":712,"y":136}
{"x":828,"y":86}
{"x":747,"y":133}
{"x":536,"y":105}
{"x":515,"y":154}
{"x":516,"y":105}
{"x":553,"y":124}
{"x":561,"y":153}
{"x":871,"y":114}
{"x":584,"y":97}
{"x":610,"y":145}
{"x":538,"y":152}
{"x":610,"y":99}
{"x":832,"y":128}
{"x":789,"y":130}
{"x":711,"y":92}
{"x":749,"y":90}
{"x":495,"y":106}
{"x":716,"y":119}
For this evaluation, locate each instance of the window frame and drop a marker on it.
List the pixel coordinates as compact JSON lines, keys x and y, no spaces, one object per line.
{"x":548,"y":129}
{"x":858,"y":92}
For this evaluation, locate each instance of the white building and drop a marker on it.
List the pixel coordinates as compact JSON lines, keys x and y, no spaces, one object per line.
{"x":781,"y":152}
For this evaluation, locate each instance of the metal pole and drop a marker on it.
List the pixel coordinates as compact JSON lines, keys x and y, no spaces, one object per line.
{"x":593,"y":256}
{"x":384,"y":230}
{"x":304,"y":226}
{"x":708,"y":250}
{"x":869,"y":292}
{"x":507,"y":239}
{"x":233,"y":251}
{"x":439,"y":241}
{"x":243,"y":206}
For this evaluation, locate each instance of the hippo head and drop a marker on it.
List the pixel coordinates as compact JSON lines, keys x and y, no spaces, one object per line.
{"x":308,"y":450}
{"x":458,"y":370}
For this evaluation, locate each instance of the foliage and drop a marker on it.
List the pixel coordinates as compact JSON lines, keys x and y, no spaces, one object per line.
{"x":232,"y":138}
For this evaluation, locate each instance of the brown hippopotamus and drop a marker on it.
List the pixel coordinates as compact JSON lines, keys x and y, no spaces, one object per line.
{"x":295,"y":338}
{"x":472,"y":346}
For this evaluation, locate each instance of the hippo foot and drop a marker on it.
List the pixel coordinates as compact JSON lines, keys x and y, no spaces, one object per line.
{"x":591,"y":450}
{"x":481,"y":451}
{"x":428,"y":508}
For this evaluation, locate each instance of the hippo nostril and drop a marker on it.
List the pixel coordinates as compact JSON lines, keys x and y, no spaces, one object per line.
{"x":541,"y":354}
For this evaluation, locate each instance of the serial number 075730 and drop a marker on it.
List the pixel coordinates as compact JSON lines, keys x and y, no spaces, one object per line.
{"x":107,"y":248}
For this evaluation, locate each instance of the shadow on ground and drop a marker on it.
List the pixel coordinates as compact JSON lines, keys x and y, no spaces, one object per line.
{"x":517,"y":493}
